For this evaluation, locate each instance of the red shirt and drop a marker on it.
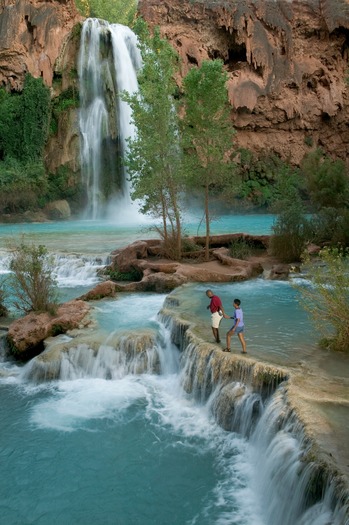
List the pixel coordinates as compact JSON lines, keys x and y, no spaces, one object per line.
{"x":215,"y":304}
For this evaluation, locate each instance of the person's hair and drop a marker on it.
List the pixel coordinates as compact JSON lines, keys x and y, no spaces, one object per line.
{"x":208,"y":291}
{"x":237,"y":301}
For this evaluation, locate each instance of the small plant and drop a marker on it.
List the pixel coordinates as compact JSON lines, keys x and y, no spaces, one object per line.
{"x":189,"y":246}
{"x":240,"y":249}
{"x":32,"y":281}
{"x":134,"y":275}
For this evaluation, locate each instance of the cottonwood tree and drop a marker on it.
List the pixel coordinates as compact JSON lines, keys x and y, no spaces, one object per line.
{"x":115,"y":11}
{"x":153,"y":157}
{"x":207,"y":133}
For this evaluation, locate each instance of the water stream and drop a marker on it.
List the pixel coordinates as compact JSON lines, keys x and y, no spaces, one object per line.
{"x":108,"y":63}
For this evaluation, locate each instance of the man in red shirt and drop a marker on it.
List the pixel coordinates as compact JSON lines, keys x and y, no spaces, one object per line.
{"x":217,"y":312}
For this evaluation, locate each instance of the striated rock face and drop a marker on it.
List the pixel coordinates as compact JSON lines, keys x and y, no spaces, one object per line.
{"x":32,"y":36}
{"x":286,"y":61}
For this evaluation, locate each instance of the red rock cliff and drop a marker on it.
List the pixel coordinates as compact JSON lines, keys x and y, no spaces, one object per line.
{"x":32,"y":36}
{"x":287,"y":63}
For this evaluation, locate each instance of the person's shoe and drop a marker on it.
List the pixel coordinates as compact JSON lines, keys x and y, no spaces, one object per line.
{"x":226,"y":349}
{"x":218,"y":340}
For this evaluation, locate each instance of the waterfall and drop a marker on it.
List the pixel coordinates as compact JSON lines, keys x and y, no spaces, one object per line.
{"x":108,"y":62}
{"x":294,"y":481}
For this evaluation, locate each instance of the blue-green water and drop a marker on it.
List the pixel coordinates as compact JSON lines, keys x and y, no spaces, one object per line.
{"x":137,"y":449}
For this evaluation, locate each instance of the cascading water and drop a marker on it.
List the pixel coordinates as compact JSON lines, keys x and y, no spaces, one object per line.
{"x":108,"y":63}
{"x":105,"y":411}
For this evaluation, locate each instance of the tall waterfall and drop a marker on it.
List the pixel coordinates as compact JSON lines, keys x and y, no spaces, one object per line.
{"x":108,"y":62}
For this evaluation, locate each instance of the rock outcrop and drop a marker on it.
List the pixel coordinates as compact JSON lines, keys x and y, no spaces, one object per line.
{"x":163,"y":275}
{"x":26,"y":335}
{"x":33,"y":35}
{"x":287,"y":64}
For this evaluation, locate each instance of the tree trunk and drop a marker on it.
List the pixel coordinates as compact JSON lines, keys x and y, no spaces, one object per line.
{"x":207,"y":217}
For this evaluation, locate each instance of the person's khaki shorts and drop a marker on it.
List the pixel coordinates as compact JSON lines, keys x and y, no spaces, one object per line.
{"x":216,"y":319}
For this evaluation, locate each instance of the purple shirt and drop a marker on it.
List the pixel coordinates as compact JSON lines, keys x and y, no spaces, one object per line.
{"x":239,"y":315}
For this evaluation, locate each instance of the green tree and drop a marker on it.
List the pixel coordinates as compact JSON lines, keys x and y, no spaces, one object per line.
{"x":207,"y":132}
{"x":327,"y":298}
{"x":32,"y":281}
{"x":153,"y":158}
{"x":36,"y":112}
{"x":326,"y":180}
{"x":291,"y":229}
{"x":115,"y":11}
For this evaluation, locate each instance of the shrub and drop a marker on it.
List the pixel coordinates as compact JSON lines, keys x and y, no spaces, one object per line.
{"x":331,"y":226}
{"x":240,"y":249}
{"x":326,"y":180}
{"x":327,"y":299}
{"x":134,"y":275}
{"x":32,"y":281}
{"x":291,"y":234}
{"x":21,"y":184}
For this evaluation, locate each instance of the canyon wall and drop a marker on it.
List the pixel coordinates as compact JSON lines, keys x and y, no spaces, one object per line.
{"x":287,"y":63}
{"x":32,"y":36}
{"x":42,"y":38}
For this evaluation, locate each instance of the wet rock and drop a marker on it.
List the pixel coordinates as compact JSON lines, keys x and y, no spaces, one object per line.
{"x":26,"y":335}
{"x":105,"y":289}
{"x":279,"y":272}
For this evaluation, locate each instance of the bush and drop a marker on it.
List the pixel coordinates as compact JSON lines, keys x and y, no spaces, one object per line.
{"x":331,"y":226}
{"x":32,"y":282}
{"x":291,"y":230}
{"x":326,"y":180}
{"x":291,"y":234}
{"x":21,"y":184}
{"x":134,"y":275}
{"x":327,"y":299}
{"x":240,"y":249}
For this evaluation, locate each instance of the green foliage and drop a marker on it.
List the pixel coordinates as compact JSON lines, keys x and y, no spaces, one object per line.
{"x":61,"y":185}
{"x":115,"y":11}
{"x":240,"y":249}
{"x":326,"y":180}
{"x":207,"y":132}
{"x":331,"y":226}
{"x":153,"y":158}
{"x":21,"y":185}
{"x":189,"y":246}
{"x":256,"y":180}
{"x":36,"y":110}
{"x":24,"y":122}
{"x":134,"y":275}
{"x":68,"y":99}
{"x":327,"y":299}
{"x":291,"y":229}
{"x":32,"y":281}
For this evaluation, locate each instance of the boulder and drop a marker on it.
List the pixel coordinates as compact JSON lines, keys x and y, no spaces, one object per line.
{"x":58,"y":210}
{"x":105,"y":289}
{"x":126,"y":259}
{"x":279,"y":272}
{"x":26,"y":335}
